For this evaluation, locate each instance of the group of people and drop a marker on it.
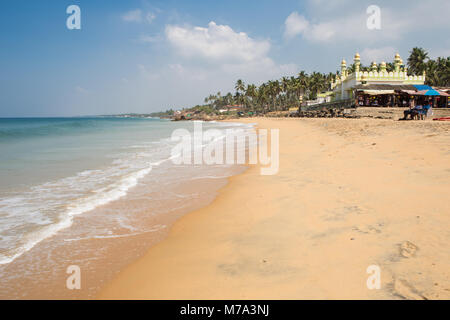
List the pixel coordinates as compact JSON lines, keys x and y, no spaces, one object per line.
{"x":419,"y":111}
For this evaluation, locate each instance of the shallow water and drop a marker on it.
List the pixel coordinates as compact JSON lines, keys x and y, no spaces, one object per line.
{"x":93,"y":192}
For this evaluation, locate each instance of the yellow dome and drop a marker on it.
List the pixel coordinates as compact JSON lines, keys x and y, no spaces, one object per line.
{"x":383,"y":63}
{"x":343,"y":62}
{"x":357,"y":56}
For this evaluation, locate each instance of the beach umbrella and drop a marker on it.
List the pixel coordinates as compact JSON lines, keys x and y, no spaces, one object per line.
{"x":422,"y":87}
{"x":431,"y":93}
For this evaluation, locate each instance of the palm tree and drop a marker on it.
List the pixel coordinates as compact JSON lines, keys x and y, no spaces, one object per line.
{"x":438,"y":72}
{"x":351,"y":68}
{"x":318,"y":83}
{"x":303,"y":82}
{"x":263,"y":98}
{"x":250,"y":96}
{"x":432,"y":78}
{"x":240,"y":86}
{"x":281,"y":94}
{"x":443,"y":71}
{"x":390,"y":67}
{"x":417,"y":60}
{"x":274,"y":90}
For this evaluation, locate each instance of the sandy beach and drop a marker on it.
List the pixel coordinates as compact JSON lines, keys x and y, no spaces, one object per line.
{"x":349,"y":194}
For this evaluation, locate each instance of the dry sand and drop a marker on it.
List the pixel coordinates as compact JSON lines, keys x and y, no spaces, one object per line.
{"x":349,"y":194}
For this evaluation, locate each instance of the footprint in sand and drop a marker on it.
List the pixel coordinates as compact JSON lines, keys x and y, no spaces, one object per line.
{"x":408,"y":249}
{"x":403,"y":289}
{"x":366,"y":229}
{"x":342,"y":213}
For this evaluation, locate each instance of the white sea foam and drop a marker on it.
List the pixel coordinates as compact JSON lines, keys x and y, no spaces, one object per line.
{"x":38,"y":212}
{"x":153,"y":229}
{"x":50,"y":207}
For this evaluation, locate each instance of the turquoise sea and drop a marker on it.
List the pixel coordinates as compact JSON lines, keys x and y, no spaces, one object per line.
{"x":54,"y":171}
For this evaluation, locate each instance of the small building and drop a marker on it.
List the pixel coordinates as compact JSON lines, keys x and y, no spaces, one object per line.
{"x":321,"y":98}
{"x":345,"y":83}
{"x":399,"y":95}
{"x":231,"y":108}
{"x":447,"y":91}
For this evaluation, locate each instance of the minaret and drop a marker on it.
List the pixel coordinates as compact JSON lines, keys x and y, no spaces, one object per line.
{"x":383,"y":67}
{"x":374,"y":67}
{"x":343,"y":69}
{"x":357,"y":62}
{"x":397,"y":62}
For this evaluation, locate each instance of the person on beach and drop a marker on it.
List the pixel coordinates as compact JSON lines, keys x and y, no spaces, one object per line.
{"x":412,"y":112}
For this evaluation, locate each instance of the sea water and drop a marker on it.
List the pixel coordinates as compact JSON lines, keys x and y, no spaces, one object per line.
{"x":113,"y":174}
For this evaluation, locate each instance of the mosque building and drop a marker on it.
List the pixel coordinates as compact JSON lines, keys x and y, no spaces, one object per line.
{"x":346,"y":82}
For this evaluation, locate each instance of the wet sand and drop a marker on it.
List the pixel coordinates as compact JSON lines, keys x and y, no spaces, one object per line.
{"x":349,"y":194}
{"x":135,"y":222}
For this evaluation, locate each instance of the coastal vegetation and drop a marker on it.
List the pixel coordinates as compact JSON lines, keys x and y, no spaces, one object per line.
{"x":288,"y":92}
{"x":437,"y":71}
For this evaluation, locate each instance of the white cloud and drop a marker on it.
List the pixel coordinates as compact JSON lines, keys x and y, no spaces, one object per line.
{"x":322,"y":32}
{"x":218,"y":43}
{"x":295,"y":24}
{"x":210,"y":59}
{"x":346,"y":28}
{"x":218,"y":49}
{"x":398,"y":19}
{"x":138,"y":16}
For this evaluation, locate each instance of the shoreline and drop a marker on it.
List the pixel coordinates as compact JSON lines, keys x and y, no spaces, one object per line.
{"x":101,"y":257}
{"x":104,"y":240}
{"x":311,"y":231}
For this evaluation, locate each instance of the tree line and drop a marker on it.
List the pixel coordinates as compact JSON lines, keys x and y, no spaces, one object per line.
{"x":273,"y":95}
{"x":285,"y":93}
{"x":437,"y":71}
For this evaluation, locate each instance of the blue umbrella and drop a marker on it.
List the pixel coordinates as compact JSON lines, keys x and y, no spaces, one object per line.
{"x":432,"y":92}
{"x":421,"y":87}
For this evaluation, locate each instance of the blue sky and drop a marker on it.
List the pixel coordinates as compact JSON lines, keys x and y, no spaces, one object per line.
{"x":144,"y":56}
